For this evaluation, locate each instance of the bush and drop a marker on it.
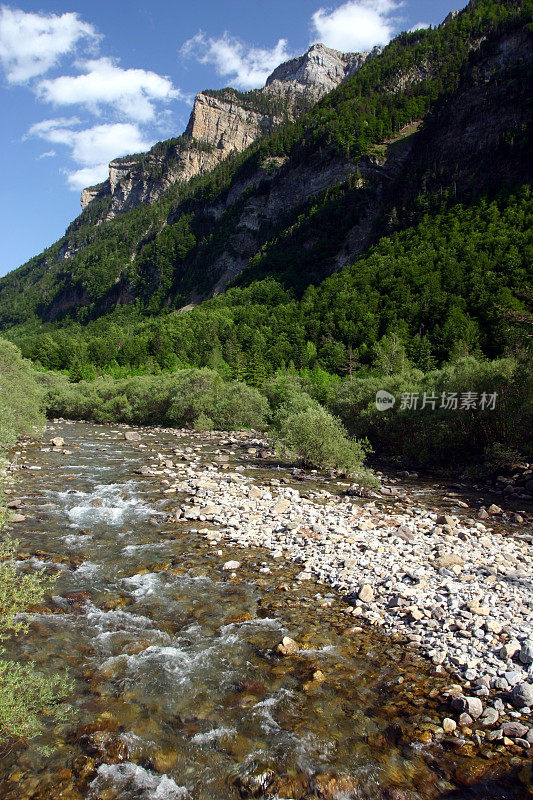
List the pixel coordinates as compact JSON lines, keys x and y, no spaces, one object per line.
{"x":440,"y":435}
{"x":184,"y":398}
{"x":314,"y":438}
{"x":21,"y":399}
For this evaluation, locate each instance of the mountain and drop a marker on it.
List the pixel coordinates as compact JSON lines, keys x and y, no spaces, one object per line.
{"x":223,"y":122}
{"x":298,"y":180}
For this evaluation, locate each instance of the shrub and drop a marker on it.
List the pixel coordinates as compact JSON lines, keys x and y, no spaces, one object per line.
{"x":181,"y":399}
{"x":21,"y":399}
{"x":313,"y":437}
{"x":25,"y":695}
{"x":436,"y":436}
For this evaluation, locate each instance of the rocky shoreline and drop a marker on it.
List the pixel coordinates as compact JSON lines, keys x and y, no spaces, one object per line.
{"x":448,"y":585}
{"x":454,"y":588}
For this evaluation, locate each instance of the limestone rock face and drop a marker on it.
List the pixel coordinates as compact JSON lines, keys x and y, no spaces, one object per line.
{"x":221,"y":123}
{"x":317,"y":72}
{"x":88,"y":195}
{"x":226,"y":125}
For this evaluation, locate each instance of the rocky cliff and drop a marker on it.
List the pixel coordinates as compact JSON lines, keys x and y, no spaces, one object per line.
{"x":438,"y":117}
{"x":317,"y":72}
{"x":223,"y":122}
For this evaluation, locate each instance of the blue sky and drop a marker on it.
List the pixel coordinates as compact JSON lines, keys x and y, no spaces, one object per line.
{"x":84,"y":82}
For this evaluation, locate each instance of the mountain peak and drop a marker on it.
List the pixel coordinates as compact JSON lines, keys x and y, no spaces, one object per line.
{"x":225,"y":121}
{"x":319,"y":70}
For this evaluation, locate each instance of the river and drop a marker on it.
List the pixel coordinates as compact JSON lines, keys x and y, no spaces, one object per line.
{"x":178,"y":690}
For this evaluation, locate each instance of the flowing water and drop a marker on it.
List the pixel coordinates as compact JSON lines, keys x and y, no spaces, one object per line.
{"x":178,"y":692}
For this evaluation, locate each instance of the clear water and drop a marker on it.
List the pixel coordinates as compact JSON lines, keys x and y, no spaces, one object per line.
{"x":178,"y":693}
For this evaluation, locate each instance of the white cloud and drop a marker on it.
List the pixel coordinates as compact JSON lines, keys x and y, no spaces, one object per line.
{"x":88,"y":176}
{"x":420,"y":26}
{"x":51,"y":126}
{"x":133,"y":92}
{"x":245,"y":66}
{"x":356,"y":25}
{"x":48,"y":154}
{"x":91,"y":148}
{"x":31,"y":44}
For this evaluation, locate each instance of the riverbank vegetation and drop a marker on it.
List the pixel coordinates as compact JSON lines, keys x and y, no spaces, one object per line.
{"x":25,"y":695}
{"x":456,"y":414}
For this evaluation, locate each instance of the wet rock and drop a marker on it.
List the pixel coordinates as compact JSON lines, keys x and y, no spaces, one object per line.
{"x":132,"y":436}
{"x":333,"y":787}
{"x":164,"y":760}
{"x":143,"y":471}
{"x":470,"y":774}
{"x":77,"y":599}
{"x":230,"y":566}
{"x":471,"y":705}
{"x":57,"y":441}
{"x":287,"y":646}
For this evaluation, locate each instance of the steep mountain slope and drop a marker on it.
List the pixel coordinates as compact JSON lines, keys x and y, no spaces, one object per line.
{"x":223,"y":122}
{"x":310,"y":197}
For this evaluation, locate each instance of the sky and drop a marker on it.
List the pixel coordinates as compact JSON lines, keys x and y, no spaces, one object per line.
{"x":83,"y":83}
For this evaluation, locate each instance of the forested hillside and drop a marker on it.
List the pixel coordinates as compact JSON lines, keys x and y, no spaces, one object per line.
{"x":383,"y":239}
{"x":315,"y":194}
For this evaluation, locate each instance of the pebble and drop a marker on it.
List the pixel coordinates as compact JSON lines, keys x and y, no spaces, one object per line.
{"x":451,"y":585}
{"x":230,"y":566}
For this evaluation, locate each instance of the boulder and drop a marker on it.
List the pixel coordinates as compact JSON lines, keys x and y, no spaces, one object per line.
{"x":132,"y":436}
{"x":522,"y":695}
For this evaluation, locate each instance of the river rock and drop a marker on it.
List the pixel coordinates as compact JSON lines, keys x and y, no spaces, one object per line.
{"x":514,"y":730}
{"x":509,"y":649}
{"x":57,"y":441}
{"x":526,"y":652}
{"x":229,"y":566}
{"x":132,"y":436}
{"x":489,"y":717}
{"x":447,"y":560}
{"x":366,"y":593}
{"x":471,"y":705}
{"x":448,"y":725}
{"x":446,"y":519}
{"x":522,"y":695}
{"x":287,"y":646}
